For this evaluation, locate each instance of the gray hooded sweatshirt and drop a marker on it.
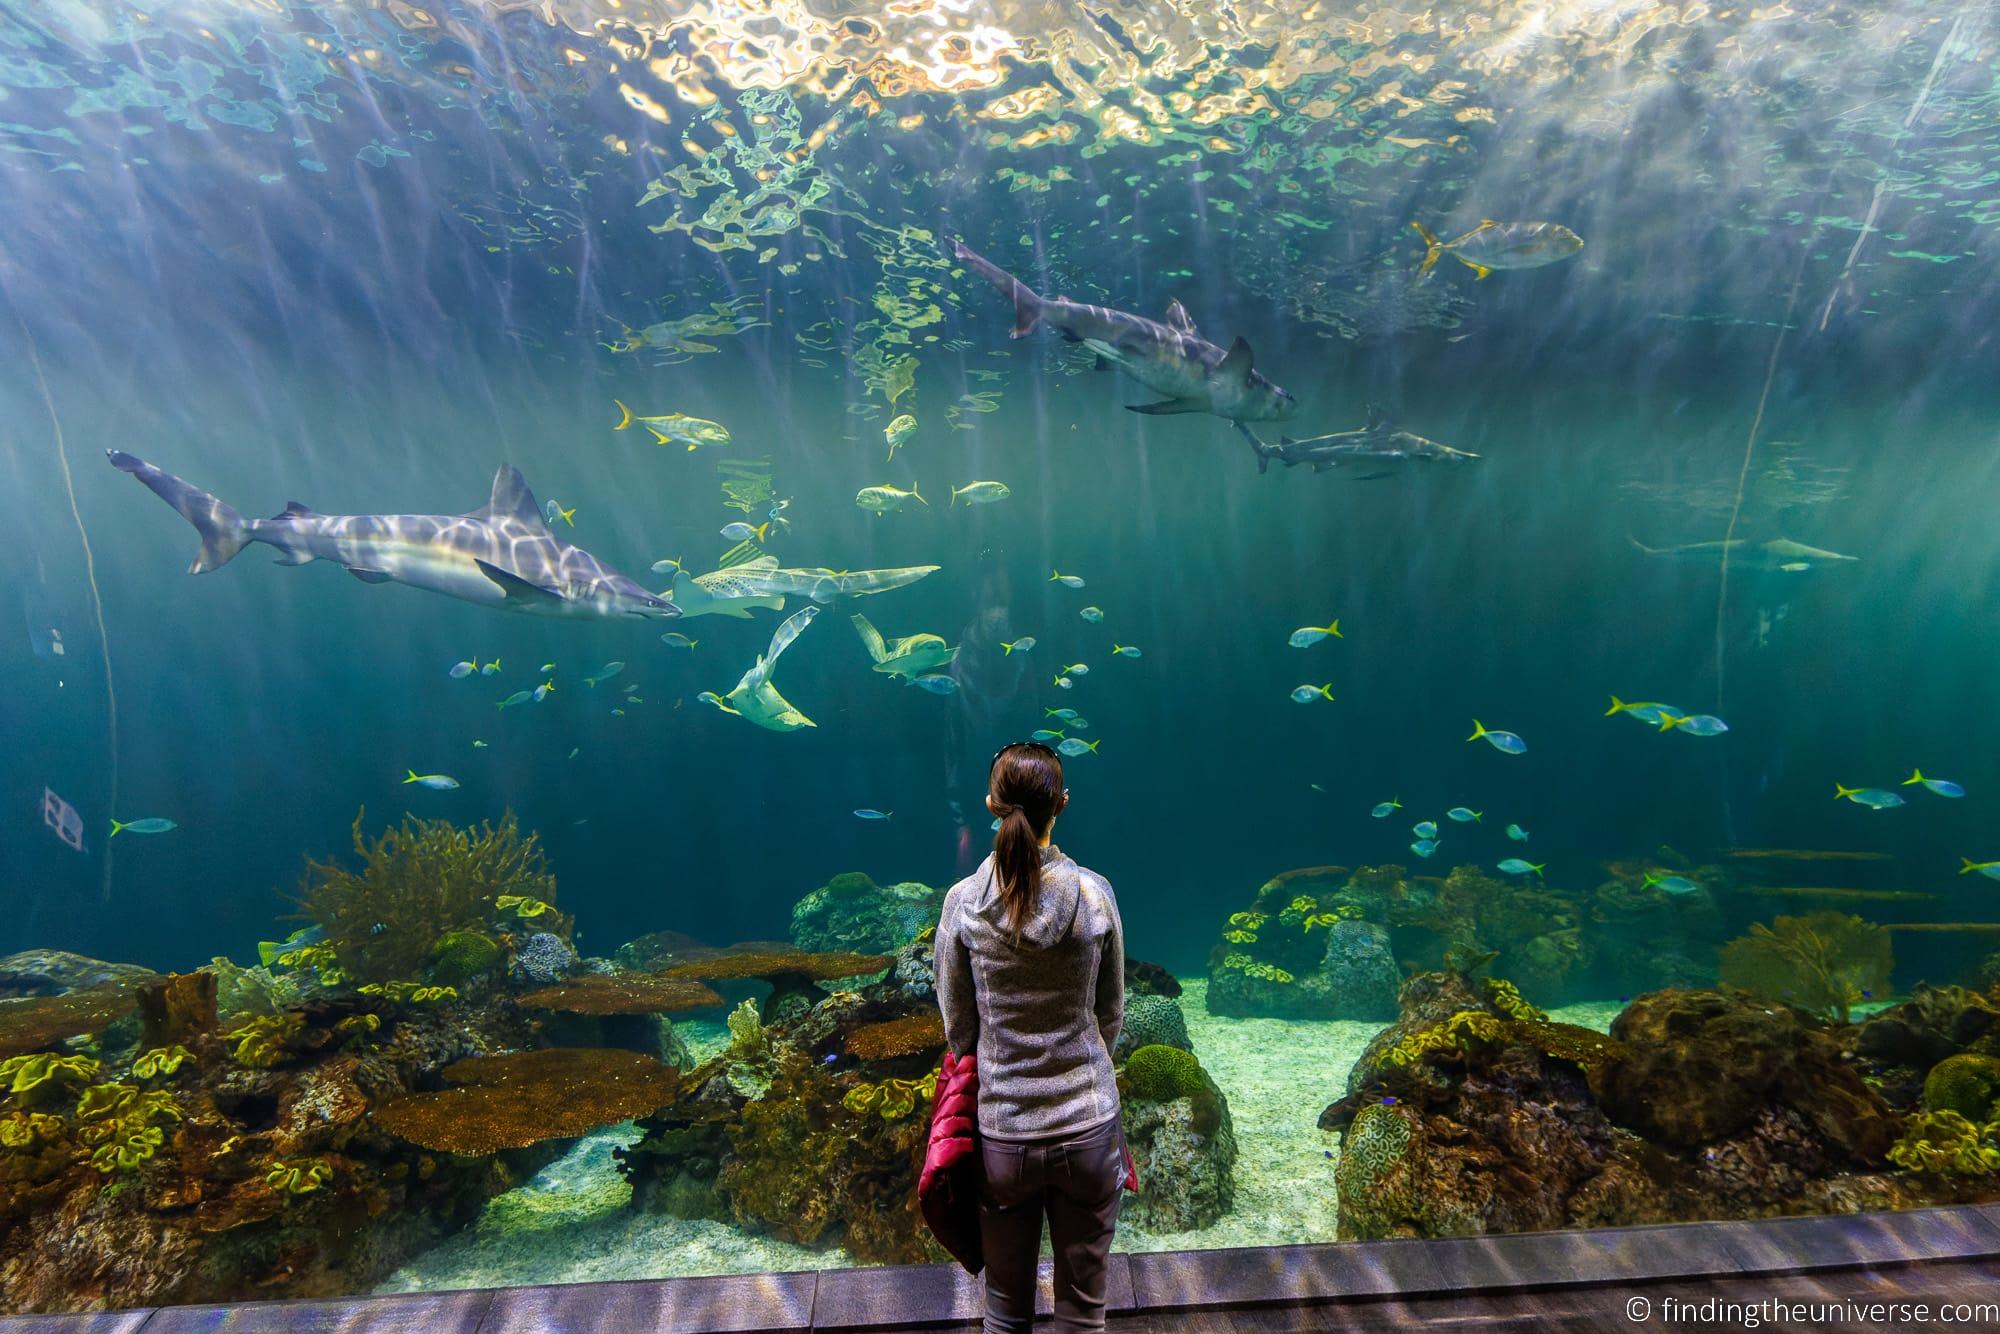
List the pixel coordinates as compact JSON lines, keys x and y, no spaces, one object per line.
{"x":1042,"y":1017}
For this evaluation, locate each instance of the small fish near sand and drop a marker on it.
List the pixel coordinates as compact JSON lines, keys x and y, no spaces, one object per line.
{"x":1501,"y":741}
{"x":1944,"y":787}
{"x":1874,"y":798}
{"x":1501,"y":245}
{"x":676,"y":428}
{"x":435,"y":782}
{"x":151,"y":824}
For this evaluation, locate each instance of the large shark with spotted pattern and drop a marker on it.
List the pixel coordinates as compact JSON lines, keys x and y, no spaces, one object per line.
{"x":500,"y":556}
{"x":1169,"y":358}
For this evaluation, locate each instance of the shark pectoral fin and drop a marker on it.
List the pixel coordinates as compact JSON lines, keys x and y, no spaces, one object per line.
{"x":365,"y":576}
{"x":1238,"y":364}
{"x":1166,"y":407}
{"x":519,"y":591}
{"x":871,"y":639}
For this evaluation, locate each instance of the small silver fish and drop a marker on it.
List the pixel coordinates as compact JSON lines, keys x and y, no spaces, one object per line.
{"x":868,"y":813}
{"x":435,"y":782}
{"x":1066,"y":580}
{"x":937,"y":683}
{"x":1074,"y":746}
{"x":675,"y":639}
{"x":1307,"y":694}
{"x":1021,"y":645}
{"x":1094,"y":615}
{"x":461,"y":670}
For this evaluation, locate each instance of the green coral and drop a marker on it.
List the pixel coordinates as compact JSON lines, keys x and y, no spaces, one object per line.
{"x":461,"y":955}
{"x":1505,"y":997}
{"x":1248,"y":920}
{"x":1376,"y":1141}
{"x":28,"y":1130}
{"x":747,"y":1036}
{"x":1238,"y":936}
{"x":300,"y":1176}
{"x":1162,"y":1073}
{"x":128,"y":1146}
{"x":24,"y":1074}
{"x":261,"y":1041}
{"x":1270,"y":972}
{"x":1320,"y":919}
{"x":1453,"y":1035}
{"x":1302,"y":904}
{"x":1237,"y":961}
{"x":161,"y":1061}
{"x":892,"y":1098}
{"x":321,"y":958}
{"x":413,"y":993}
{"x":1967,"y":1084}
{"x":1943,"y":1143}
{"x":417,"y":883}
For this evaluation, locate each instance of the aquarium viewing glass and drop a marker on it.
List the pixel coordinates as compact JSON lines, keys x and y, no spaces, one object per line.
{"x":1493,"y":501}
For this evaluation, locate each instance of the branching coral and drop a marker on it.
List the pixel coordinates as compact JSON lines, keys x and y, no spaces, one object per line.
{"x":417,"y":883}
{"x":1823,"y":962}
{"x":911,"y":1035}
{"x":510,"y":1102}
{"x":1945,"y":1143}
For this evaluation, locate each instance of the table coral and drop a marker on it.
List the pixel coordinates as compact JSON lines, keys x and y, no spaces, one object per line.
{"x":912,"y":1035}
{"x":510,"y":1102}
{"x":620,"y":993}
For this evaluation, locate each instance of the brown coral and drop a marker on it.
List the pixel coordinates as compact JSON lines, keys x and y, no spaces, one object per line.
{"x":911,"y":1035}
{"x":620,"y":993}
{"x":510,"y":1102}
{"x":42,"y":1021}
{"x":772,"y":965}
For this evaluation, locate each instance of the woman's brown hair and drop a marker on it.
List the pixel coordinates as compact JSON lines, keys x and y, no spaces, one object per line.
{"x":1026,"y":784}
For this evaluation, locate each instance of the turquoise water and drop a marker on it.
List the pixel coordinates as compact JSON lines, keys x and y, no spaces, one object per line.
{"x":362,"y":257}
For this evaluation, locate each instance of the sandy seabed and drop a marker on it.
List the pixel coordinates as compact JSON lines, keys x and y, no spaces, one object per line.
{"x":572,"y":1222}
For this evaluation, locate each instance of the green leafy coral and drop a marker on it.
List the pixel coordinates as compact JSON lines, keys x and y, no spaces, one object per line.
{"x":1453,"y":1036}
{"x":299,"y":1176}
{"x":121,"y":1124}
{"x":891,"y":1099}
{"x":44,"y":1070}
{"x":1822,"y":962}
{"x":262,"y":1041}
{"x":420,"y":881}
{"x":160,"y":1061}
{"x":1943,"y":1143}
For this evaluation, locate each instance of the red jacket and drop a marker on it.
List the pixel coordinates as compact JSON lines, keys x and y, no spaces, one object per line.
{"x":948,"y":1187}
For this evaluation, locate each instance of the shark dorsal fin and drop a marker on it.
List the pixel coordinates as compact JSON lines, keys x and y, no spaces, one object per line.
{"x":1178,"y":318}
{"x":1238,"y":364}
{"x":1377,"y":416}
{"x":512,"y":499}
{"x":295,"y":510}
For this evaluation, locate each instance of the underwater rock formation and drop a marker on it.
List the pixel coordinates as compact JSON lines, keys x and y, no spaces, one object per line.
{"x":1903,"y":1043}
{"x":1177,"y":1125}
{"x":852,"y":912}
{"x":1151,"y":1020}
{"x":58,"y":972}
{"x":1474,"y":1113}
{"x":1289,"y":956}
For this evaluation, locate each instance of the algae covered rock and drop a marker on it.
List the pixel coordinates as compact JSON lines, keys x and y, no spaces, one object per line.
{"x":1358,"y":975}
{"x":58,"y":972}
{"x":1966,"y":1084}
{"x":1183,"y":1144}
{"x":852,"y":912}
{"x":1702,"y":1066}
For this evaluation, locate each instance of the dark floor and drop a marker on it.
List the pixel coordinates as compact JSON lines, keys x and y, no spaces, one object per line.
{"x":1864,"y":1272}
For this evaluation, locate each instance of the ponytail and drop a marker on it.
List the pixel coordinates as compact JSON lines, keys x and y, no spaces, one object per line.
{"x":1026,"y":786}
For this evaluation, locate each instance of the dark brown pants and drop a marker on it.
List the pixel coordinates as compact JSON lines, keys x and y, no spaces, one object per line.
{"x":1076,"y":1181}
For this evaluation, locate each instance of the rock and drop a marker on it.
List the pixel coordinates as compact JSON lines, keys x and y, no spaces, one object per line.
{"x":1151,"y":1019}
{"x":58,"y":972}
{"x":852,"y":912}
{"x":1145,"y":978}
{"x":1703,"y":1066}
{"x":657,"y":949}
{"x":1424,"y":1000}
{"x":1358,"y":976}
{"x":1186,"y":1179}
{"x":1934,"y":1023}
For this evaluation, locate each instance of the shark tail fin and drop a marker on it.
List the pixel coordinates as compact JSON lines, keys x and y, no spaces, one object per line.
{"x":223,"y":531}
{"x":1027,"y":304}
{"x":1433,"y":249}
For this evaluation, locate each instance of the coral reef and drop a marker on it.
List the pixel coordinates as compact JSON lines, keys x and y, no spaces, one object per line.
{"x":1176,"y":1123}
{"x":42,"y":1021}
{"x":1967,"y":1084}
{"x":620,"y":993}
{"x":58,"y":972}
{"x":417,"y":884}
{"x":543,"y":959}
{"x":1150,"y":1019}
{"x":461,"y":955}
{"x":1824,"y":962}
{"x":794,"y":974}
{"x":913,"y":1035}
{"x":852,"y":912}
{"x":513,"y":1101}
{"x":1944,"y":1143}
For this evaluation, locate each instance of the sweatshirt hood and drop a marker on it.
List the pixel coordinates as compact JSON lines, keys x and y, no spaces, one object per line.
{"x":1056,"y":901}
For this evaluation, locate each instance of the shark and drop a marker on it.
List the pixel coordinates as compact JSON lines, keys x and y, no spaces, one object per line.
{"x":909,"y":657}
{"x":759,"y":582}
{"x":1379,"y":441}
{"x":754,"y":697}
{"x":1169,"y":357}
{"x":1777,"y":553}
{"x":502,"y":555}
